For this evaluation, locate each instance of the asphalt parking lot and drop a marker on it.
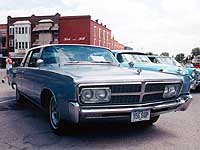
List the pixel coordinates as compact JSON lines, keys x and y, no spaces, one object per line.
{"x":24,"y":126}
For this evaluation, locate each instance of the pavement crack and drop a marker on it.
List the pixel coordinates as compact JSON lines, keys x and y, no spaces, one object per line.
{"x":13,"y":146}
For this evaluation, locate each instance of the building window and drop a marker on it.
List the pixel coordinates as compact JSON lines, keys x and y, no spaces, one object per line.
{"x":10,"y":43}
{"x":107,"y":35}
{"x":19,"y":30}
{"x":26,"y":45}
{"x":20,"y":45}
{"x":99,"y":33}
{"x":22,"y":30}
{"x":95,"y":28}
{"x":16,"y":31}
{"x":16,"y":45}
{"x":3,"y":41}
{"x":104,"y":35}
{"x":25,"y":30}
{"x":11,"y":29}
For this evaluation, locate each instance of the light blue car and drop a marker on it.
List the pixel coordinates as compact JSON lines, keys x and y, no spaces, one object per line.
{"x":80,"y":83}
{"x":131,"y":59}
{"x":194,"y":72}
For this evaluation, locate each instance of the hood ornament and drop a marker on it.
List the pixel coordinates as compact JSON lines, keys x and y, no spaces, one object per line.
{"x":131,"y":64}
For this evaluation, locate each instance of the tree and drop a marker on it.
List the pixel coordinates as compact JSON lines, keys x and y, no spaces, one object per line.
{"x":164,"y":54}
{"x":180,"y":57}
{"x":195,"y":51}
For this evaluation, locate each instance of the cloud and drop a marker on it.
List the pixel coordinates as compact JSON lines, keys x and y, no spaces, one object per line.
{"x":164,"y":25}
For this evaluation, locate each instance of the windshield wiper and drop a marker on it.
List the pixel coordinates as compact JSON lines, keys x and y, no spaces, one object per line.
{"x":107,"y":62}
{"x":75,"y":62}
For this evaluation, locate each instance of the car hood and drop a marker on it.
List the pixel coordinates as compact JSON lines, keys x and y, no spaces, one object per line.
{"x":110,"y":73}
{"x":158,"y":67}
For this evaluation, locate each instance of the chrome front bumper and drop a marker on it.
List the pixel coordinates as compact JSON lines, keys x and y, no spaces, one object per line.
{"x":78,"y":113}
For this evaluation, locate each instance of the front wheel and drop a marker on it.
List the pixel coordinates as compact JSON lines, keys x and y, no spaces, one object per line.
{"x":56,"y":123}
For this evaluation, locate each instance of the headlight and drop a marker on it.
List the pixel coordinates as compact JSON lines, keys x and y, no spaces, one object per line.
{"x":193,"y":73}
{"x":95,"y":95}
{"x":171,"y":90}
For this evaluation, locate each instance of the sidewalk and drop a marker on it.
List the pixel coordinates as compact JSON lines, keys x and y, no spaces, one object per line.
{"x":2,"y":73}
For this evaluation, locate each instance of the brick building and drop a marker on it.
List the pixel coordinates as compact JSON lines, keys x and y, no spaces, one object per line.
{"x":83,"y":30}
{"x":3,"y":44}
{"x":27,"y":32}
{"x":22,"y":33}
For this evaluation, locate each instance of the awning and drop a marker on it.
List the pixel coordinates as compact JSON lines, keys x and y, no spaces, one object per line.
{"x":41,"y":28}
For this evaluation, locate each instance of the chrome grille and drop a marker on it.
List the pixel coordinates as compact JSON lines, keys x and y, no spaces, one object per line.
{"x":125,"y":99}
{"x":127,"y":88}
{"x":140,"y":93}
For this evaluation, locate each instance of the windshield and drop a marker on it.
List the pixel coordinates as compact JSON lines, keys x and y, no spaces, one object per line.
{"x":129,"y":57}
{"x":64,"y":54}
{"x":169,"y":61}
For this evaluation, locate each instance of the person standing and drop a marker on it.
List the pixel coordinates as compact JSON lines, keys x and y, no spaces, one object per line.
{"x":8,"y":69}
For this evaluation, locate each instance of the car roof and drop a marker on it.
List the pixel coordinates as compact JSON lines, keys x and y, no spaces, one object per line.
{"x":48,"y":45}
{"x":126,"y":51}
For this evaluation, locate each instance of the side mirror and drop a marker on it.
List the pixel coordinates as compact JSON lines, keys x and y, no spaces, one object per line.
{"x":39,"y":62}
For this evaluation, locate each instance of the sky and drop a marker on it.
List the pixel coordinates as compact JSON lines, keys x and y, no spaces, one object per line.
{"x":146,"y":25}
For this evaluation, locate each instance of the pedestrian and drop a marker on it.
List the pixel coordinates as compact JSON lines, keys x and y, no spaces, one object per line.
{"x":8,"y":69}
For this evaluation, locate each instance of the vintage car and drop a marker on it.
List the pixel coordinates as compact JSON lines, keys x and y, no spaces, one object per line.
{"x":131,"y":59}
{"x":77,"y":83}
{"x":194,"y":72}
{"x":196,"y":61}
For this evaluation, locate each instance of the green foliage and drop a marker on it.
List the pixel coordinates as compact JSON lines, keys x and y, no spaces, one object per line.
{"x":180,"y":57}
{"x":195,"y":51}
{"x":164,"y":54}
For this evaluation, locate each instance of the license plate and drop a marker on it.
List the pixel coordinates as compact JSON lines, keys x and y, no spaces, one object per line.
{"x":140,"y":115}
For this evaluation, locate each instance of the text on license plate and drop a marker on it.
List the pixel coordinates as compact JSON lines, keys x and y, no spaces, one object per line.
{"x":140,"y":115}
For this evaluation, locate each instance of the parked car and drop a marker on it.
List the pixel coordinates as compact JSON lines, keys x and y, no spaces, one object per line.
{"x":194,"y":72}
{"x":139,"y":60}
{"x":196,"y":61}
{"x":77,"y":83}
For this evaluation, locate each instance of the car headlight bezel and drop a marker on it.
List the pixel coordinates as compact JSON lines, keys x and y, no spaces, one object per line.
{"x":171,"y":90}
{"x":98,"y":95}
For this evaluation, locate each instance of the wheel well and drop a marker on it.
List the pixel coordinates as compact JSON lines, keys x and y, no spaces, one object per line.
{"x":45,"y":98}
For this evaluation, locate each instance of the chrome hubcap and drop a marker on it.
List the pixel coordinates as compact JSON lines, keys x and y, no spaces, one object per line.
{"x":54,"y":114}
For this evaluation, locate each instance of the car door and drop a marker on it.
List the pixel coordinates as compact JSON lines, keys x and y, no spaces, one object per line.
{"x":29,"y":73}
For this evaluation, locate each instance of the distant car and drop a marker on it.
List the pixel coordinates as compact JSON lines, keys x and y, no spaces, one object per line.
{"x":132,"y":59}
{"x":194,"y":72}
{"x":76,"y":83}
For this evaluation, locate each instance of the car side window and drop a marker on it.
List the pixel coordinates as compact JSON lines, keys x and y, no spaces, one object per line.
{"x":50,"y":56}
{"x":34,"y":57}
{"x":27,"y":59}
